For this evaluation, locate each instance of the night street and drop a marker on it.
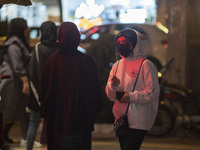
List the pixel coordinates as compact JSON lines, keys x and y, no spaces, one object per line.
{"x":91,"y":67}
{"x":104,"y":139}
{"x":148,"y":144}
{"x":152,"y":144}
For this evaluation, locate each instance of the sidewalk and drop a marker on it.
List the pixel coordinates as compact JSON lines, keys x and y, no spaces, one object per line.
{"x":102,"y":131}
{"x":104,"y":139}
{"x":105,"y":131}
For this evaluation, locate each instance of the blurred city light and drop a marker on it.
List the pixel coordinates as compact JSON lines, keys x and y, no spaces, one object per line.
{"x":85,"y":13}
{"x":85,"y":23}
{"x":159,"y":74}
{"x":162,"y":27}
{"x":81,"y":49}
{"x":148,"y":2}
{"x":120,"y":2}
{"x":133,"y":15}
{"x":89,"y":10}
{"x":34,"y":14}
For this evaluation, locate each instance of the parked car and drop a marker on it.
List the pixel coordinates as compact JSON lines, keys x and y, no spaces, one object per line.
{"x":156,"y":38}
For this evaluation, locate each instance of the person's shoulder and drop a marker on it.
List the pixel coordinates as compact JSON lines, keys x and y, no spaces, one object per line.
{"x":13,"y":41}
{"x":45,"y":49}
{"x":52,"y":57}
{"x":149,"y":64}
{"x":147,"y":61}
{"x":50,"y":61}
{"x":49,"y":47}
{"x":85,"y":57}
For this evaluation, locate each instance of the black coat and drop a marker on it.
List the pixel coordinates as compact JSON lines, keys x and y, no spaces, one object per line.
{"x":70,"y":93}
{"x":70,"y":97}
{"x":35,"y":71}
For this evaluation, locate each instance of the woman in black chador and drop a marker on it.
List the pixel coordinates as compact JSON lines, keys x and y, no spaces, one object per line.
{"x":70,"y":94}
{"x":42,"y":51}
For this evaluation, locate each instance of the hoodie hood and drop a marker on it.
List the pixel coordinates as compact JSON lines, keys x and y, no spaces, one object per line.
{"x":140,"y":47}
{"x":19,"y":43}
{"x":15,"y":39}
{"x":68,"y":38}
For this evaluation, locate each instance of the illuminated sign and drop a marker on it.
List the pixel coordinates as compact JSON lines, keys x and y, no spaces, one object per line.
{"x":89,"y":10}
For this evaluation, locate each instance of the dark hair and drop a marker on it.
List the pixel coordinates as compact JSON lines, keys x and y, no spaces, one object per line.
{"x":16,"y":28}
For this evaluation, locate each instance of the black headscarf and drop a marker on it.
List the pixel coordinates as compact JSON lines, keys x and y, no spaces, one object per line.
{"x":129,"y":34}
{"x":17,"y":27}
{"x":122,"y":44}
{"x":68,"y":38}
{"x":48,"y":33}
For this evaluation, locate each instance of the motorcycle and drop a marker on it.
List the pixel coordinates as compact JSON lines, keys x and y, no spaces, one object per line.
{"x":176,"y":104}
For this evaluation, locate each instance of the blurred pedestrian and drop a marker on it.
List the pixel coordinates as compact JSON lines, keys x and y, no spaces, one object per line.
{"x":42,"y":51}
{"x":142,"y":102}
{"x":3,"y":145}
{"x":70,"y":94}
{"x":15,"y":91}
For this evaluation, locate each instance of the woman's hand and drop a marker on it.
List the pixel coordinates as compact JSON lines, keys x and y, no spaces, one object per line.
{"x":115,"y":81}
{"x":125,"y":98}
{"x":0,"y":76}
{"x":26,"y":89}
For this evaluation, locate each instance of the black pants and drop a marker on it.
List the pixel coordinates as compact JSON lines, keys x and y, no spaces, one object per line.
{"x":132,"y":140}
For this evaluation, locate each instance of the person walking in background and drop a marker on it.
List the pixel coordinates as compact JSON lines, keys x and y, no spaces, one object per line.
{"x":42,"y":51}
{"x":15,"y":91}
{"x":70,"y":94}
{"x":3,"y":145}
{"x":143,"y":101}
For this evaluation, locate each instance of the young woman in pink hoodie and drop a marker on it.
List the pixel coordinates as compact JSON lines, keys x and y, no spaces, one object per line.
{"x":131,"y":46}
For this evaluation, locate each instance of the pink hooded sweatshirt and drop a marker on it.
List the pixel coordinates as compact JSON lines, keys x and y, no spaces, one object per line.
{"x":145,"y":98}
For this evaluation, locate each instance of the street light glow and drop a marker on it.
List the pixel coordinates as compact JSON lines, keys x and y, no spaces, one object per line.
{"x":89,"y":10}
{"x":134,"y":15}
{"x":162,"y":27}
{"x":120,"y":2}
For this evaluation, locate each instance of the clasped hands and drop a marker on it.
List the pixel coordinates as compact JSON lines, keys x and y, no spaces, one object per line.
{"x":115,"y":82}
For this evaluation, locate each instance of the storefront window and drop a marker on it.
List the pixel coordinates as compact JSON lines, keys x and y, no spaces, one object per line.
{"x":34,"y":14}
